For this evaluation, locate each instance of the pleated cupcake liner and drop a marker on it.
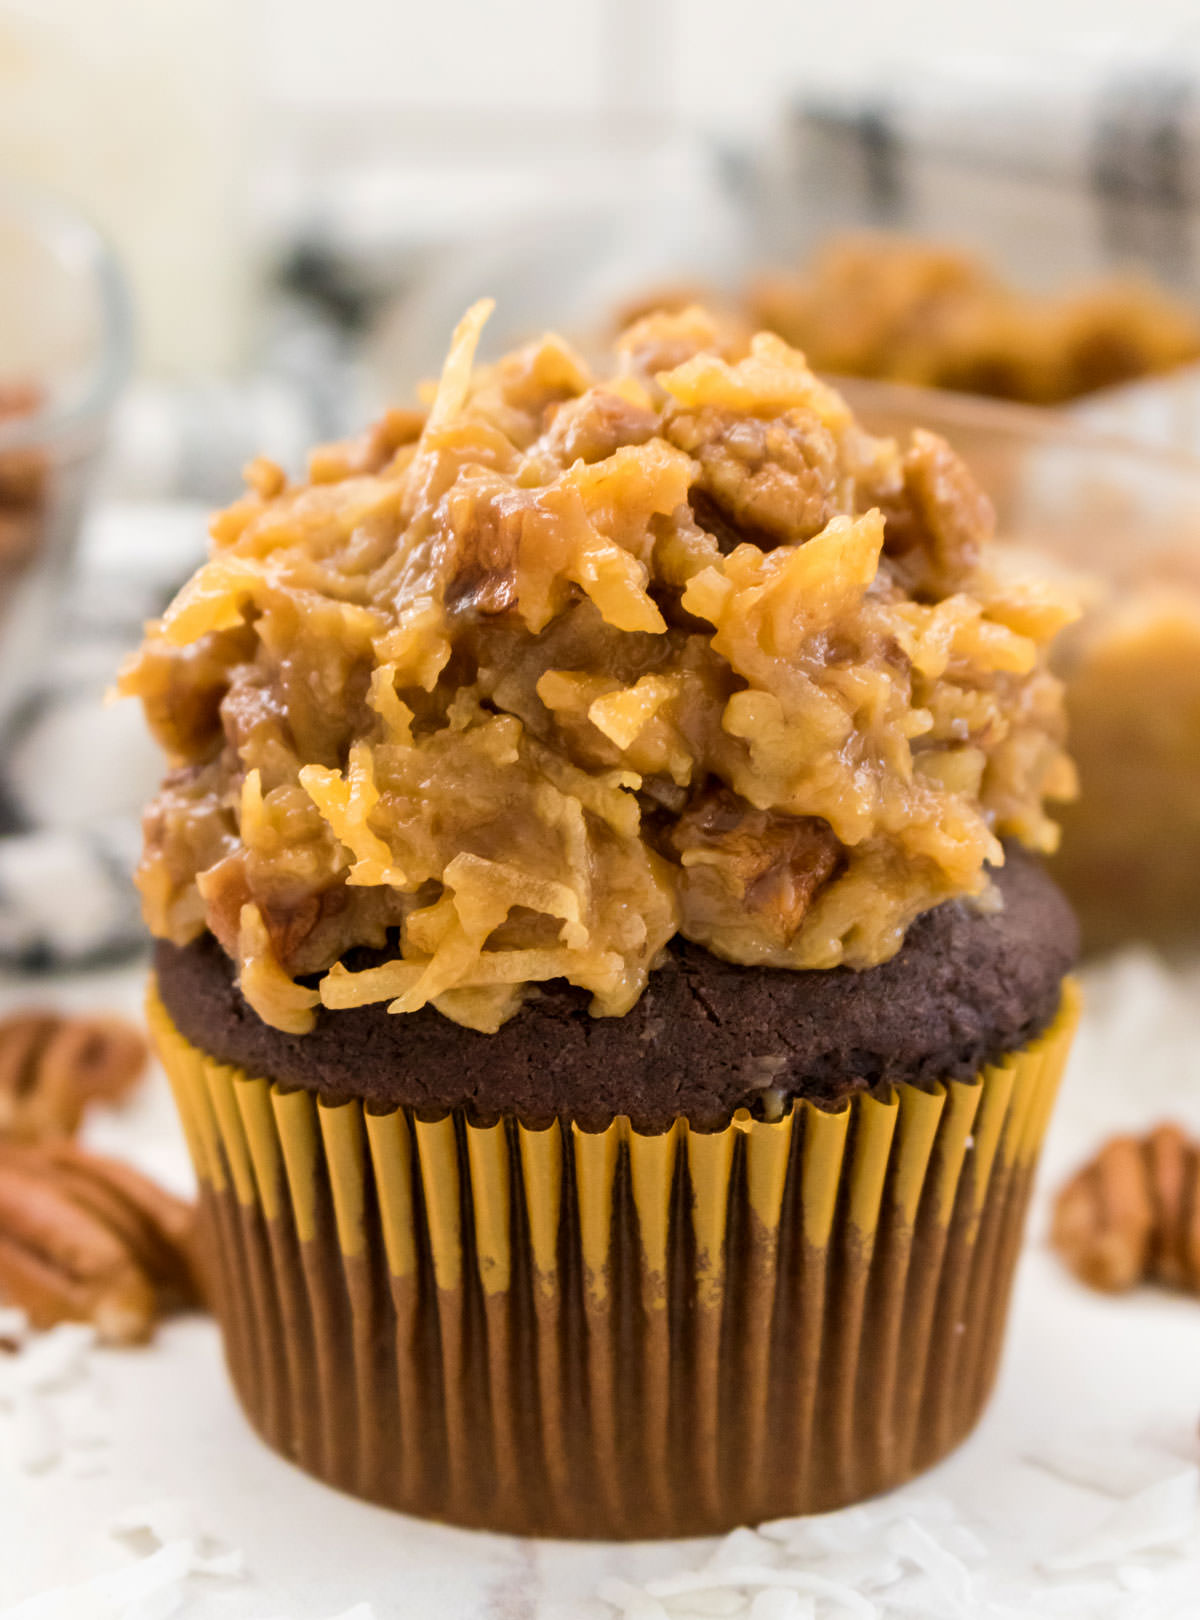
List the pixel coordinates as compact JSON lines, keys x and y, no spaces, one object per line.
{"x":550,"y":1331}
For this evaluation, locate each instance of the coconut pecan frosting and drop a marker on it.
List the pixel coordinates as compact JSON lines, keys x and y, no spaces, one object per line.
{"x":518,"y":688}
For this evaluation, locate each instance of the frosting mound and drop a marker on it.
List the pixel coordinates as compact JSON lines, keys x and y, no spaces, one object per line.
{"x":524,"y":686}
{"x":913,"y":311}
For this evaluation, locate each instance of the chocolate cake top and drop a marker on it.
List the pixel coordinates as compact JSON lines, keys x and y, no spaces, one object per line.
{"x":705,"y":1038}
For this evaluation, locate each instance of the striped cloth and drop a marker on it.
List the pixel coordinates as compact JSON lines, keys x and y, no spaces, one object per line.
{"x":1051,"y":167}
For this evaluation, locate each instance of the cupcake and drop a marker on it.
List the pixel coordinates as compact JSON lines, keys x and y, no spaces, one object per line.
{"x":603,"y":963}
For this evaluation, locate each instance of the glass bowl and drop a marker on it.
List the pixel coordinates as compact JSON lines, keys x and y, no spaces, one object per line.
{"x":65,"y":349}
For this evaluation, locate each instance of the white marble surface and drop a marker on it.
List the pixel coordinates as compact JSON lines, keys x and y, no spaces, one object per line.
{"x":161,"y":1426}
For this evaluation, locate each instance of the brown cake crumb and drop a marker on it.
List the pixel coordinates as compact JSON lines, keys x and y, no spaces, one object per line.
{"x":582,"y":661}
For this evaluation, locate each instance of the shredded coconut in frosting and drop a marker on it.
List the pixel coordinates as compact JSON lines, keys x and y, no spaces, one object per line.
{"x":518,"y":689}
{"x":907,"y":1555}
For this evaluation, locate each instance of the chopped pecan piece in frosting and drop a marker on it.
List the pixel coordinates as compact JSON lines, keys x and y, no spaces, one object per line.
{"x":937,"y":523}
{"x":750,"y":871}
{"x":775,"y":476}
{"x":573,"y":663}
{"x":597,"y":424}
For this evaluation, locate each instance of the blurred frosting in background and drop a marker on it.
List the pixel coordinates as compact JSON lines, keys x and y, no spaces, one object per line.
{"x":283,"y":183}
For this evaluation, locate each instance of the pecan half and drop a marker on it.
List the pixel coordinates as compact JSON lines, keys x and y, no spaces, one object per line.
{"x":84,"y":1238}
{"x":1132,"y":1214}
{"x":53,"y":1067}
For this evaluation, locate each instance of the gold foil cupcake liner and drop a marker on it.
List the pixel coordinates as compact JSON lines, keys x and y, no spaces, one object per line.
{"x":560,"y":1332}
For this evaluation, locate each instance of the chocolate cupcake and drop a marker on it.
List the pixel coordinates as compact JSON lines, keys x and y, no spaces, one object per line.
{"x":610,"y":997}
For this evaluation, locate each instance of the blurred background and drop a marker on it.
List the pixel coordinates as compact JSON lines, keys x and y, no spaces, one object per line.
{"x":237,"y":152}
{"x":291,"y":203}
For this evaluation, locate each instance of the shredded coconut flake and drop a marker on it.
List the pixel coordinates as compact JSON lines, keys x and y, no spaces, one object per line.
{"x":778,"y":1604}
{"x":916,"y":1546}
{"x":156,"y":1584}
{"x":146,"y":1529}
{"x":739,"y":1547}
{"x":358,"y":1611}
{"x":37,"y":1444}
{"x":152,"y":1587}
{"x":909,"y":1557}
{"x":1113,"y":1466}
{"x":455,"y":381}
{"x":752,"y":1577}
{"x":51,"y":1412}
{"x":1160,"y":1515}
{"x":14,"y":1327}
{"x":54,"y":1359}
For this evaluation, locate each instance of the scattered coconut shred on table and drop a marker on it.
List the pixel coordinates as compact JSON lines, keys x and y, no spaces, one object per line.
{"x":52,"y":1413}
{"x":906,"y":1556}
{"x":154,"y":1588}
{"x":1133,"y":1552}
{"x":159,"y":1584}
{"x":52,"y":1417}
